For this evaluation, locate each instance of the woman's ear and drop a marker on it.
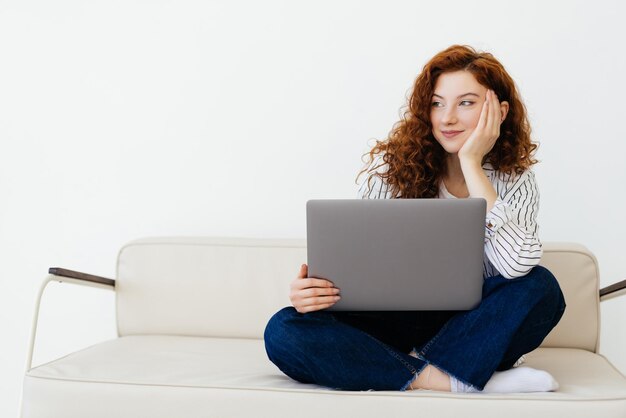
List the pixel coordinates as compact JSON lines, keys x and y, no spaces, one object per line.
{"x":504,"y":110}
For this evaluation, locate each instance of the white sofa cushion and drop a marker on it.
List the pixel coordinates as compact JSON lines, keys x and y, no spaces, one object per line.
{"x":174,"y":376}
{"x":214,"y":287}
{"x":576,"y":269}
{"x":230,"y":287}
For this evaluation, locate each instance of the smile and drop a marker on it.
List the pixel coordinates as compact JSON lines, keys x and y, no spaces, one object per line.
{"x":450,"y":134}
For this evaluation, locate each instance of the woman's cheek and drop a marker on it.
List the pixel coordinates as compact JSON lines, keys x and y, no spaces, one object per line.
{"x":476,"y":116}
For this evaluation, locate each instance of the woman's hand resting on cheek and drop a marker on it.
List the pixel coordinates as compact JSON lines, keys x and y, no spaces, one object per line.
{"x":484,"y":137}
{"x":311,"y":294}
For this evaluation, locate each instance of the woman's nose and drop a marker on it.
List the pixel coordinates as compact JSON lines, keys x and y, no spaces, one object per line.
{"x":449,"y":116}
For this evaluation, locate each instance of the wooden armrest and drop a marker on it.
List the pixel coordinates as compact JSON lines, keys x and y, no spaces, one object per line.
{"x":57,"y":271}
{"x":609,"y":291}
{"x":58,"y":274}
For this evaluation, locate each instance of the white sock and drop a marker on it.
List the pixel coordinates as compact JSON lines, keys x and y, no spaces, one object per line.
{"x":518,"y":379}
{"x":460,"y":387}
{"x":521,"y":379}
{"x":520,"y":361}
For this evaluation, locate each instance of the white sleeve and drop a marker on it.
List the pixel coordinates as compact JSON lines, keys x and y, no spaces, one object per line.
{"x":511,"y":241}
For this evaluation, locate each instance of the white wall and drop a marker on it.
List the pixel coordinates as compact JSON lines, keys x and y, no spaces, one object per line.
{"x":125,"y":119}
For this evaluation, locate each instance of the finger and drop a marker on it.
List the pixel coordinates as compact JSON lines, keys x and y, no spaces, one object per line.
{"x":319,"y":291}
{"x":495,"y":106}
{"x":488,"y":117}
{"x":311,"y":308}
{"x":482,"y":120}
{"x":313,"y":282}
{"x":496,"y":115}
{"x":304,"y":270}
{"x":313,"y":292}
{"x":488,"y":127}
{"x":315,"y":301}
{"x":320,"y":300}
{"x":493,"y":110}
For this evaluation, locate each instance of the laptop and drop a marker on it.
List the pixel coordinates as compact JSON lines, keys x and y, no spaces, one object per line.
{"x":398,"y":254}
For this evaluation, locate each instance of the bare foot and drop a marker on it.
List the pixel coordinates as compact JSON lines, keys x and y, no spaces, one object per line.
{"x":431,"y":378}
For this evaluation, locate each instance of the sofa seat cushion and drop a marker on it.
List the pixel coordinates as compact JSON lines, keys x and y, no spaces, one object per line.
{"x":148,"y":375}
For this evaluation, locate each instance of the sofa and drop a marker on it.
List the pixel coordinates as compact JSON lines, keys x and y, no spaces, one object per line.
{"x":190,"y":319}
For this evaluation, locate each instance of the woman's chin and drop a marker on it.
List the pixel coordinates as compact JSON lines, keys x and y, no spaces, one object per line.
{"x":455,"y":147}
{"x":451,"y":147}
{"x":451,"y":150}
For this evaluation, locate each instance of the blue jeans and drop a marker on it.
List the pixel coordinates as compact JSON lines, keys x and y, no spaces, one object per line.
{"x":369,"y":350}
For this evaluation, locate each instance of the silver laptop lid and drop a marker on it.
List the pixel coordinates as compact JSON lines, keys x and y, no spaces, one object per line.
{"x":399,"y":254}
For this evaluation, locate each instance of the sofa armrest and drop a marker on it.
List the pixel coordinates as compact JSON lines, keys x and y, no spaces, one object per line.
{"x":612,"y":291}
{"x":62,"y":275}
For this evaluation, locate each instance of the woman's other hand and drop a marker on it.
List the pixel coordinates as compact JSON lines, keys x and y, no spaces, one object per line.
{"x":312,"y":294}
{"x":484,"y":137}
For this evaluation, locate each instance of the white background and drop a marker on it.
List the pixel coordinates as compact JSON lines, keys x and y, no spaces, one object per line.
{"x":126,"y":119}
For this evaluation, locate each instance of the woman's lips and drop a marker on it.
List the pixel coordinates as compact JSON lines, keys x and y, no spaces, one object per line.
{"x":450,"y":134}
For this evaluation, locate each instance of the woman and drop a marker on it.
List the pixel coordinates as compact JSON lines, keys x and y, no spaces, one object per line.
{"x":465,"y":133}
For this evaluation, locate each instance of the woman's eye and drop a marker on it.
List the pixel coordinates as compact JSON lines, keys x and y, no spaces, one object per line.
{"x":435,"y":104}
{"x":469,"y":103}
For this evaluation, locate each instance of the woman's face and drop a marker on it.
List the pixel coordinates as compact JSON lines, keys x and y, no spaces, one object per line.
{"x":455,"y":108}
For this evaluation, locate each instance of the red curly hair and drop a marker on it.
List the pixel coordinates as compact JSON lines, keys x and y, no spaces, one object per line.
{"x":416,"y":162}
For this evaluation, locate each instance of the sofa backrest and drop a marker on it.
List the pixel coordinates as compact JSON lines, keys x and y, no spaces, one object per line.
{"x":230,"y":287}
{"x":225,"y":287}
{"x":576,"y":269}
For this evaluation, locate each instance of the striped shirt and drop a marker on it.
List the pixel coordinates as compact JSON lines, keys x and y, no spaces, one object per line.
{"x":512,"y":246}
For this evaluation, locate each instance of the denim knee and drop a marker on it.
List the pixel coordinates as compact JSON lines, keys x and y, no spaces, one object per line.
{"x":277,"y":325}
{"x":544,"y":288}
